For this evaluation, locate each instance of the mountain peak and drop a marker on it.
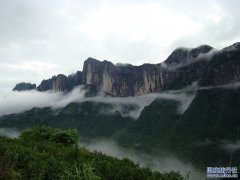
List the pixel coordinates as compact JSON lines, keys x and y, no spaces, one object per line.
{"x":184,"y":55}
{"x":93,"y":60}
{"x":204,"y":48}
{"x":90,"y":59}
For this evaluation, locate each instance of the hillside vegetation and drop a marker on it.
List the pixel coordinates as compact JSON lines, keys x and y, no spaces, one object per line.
{"x":46,"y":153}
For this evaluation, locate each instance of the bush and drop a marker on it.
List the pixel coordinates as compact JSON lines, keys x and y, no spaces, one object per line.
{"x":43,"y":133}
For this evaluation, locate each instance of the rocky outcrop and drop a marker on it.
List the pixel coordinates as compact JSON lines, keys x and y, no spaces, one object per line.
{"x":181,"y":68}
{"x":224,"y":67}
{"x":122,"y":80}
{"x":139,"y":80}
{"x":24,"y":86}
{"x":182,"y":56}
{"x":61,"y":82}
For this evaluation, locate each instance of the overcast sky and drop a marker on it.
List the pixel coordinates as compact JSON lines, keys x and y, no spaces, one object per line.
{"x":39,"y":39}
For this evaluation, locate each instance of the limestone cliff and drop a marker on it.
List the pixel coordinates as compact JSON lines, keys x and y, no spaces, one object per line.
{"x":61,"y":82}
{"x":181,"y":68}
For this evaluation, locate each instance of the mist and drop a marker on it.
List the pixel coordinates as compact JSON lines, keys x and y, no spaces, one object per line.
{"x":10,"y":132}
{"x":233,"y":86}
{"x":156,"y":162}
{"x":231,"y":146}
{"x":201,"y":57}
{"x":17,"y":102}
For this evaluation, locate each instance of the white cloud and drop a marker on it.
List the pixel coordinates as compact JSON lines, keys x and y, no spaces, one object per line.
{"x":16,"y":102}
{"x":38,"y":67}
{"x":136,"y":22}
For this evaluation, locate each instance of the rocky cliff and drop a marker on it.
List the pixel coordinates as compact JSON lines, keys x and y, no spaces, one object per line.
{"x":122,"y":80}
{"x":61,"y":82}
{"x":184,"y":66}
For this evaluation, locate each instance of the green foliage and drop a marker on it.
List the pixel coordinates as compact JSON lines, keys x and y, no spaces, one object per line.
{"x":46,"y":153}
{"x":41,"y":133}
{"x":88,"y":172}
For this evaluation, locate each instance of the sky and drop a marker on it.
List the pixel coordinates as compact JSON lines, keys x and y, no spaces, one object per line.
{"x":39,"y":39}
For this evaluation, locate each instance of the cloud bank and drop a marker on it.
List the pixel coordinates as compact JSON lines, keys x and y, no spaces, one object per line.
{"x":16,"y":102}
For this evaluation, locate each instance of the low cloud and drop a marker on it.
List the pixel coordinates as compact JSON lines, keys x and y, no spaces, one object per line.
{"x":205,"y":142}
{"x":10,"y":132}
{"x":16,"y":102}
{"x":233,"y":86}
{"x":140,"y":102}
{"x":190,"y":60}
{"x":231,"y":146}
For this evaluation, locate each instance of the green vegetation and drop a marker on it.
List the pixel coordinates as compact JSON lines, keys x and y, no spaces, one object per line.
{"x":46,"y":153}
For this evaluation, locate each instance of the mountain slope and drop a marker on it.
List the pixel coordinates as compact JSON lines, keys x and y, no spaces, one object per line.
{"x":42,"y":153}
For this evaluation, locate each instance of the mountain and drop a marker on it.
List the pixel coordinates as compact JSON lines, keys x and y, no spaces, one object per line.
{"x":61,"y":82}
{"x":186,"y":55}
{"x":205,"y":133}
{"x":23,"y":86}
{"x":184,"y":66}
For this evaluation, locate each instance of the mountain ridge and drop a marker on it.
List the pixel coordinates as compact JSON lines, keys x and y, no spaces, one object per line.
{"x":181,"y":68}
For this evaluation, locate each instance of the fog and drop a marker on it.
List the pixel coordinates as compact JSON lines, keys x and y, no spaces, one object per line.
{"x":231,"y":146}
{"x":233,"y":86}
{"x":190,"y":60}
{"x":9,"y":132}
{"x":201,"y":57}
{"x":16,"y":102}
{"x":156,"y":162}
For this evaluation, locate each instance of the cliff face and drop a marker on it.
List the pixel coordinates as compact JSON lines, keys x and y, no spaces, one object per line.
{"x":224,"y":67}
{"x":61,"y":82}
{"x":139,"y":80}
{"x":185,"y":55}
{"x":122,"y":80}
{"x":181,"y":68}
